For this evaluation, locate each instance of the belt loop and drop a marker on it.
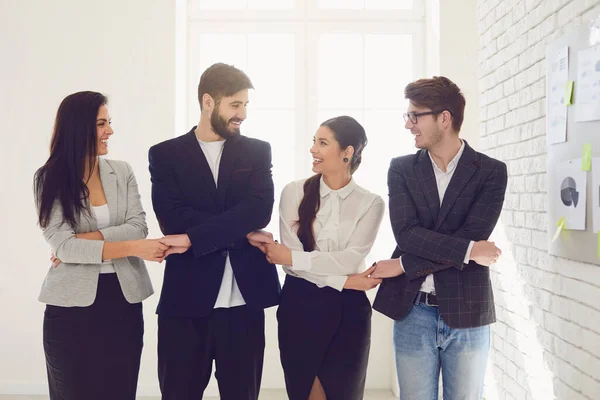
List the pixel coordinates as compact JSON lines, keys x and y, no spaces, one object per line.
{"x":418,"y":298}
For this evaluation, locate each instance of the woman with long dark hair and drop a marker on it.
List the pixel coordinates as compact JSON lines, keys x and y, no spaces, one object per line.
{"x":90,"y":211}
{"x":328,"y":225}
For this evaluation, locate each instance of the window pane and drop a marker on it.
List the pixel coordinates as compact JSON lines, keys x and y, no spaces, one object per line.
{"x":342,"y":4}
{"x":221,"y":4}
{"x":278,"y":128}
{"x":387,"y":71}
{"x":387,"y":139}
{"x":340,"y":82}
{"x":388,"y":4}
{"x":271,"y":4}
{"x":275,"y":82}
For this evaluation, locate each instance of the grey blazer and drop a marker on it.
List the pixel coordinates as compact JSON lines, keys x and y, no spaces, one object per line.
{"x":75,"y":280}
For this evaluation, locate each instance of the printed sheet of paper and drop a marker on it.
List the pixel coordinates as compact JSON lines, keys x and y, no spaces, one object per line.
{"x":556,"y":103}
{"x":571,"y":193}
{"x":587,"y":85}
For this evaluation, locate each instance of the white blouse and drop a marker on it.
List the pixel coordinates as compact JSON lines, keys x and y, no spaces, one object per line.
{"x":345,"y":228}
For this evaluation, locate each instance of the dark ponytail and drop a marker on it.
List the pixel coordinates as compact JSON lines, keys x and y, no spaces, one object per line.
{"x":348,"y":132}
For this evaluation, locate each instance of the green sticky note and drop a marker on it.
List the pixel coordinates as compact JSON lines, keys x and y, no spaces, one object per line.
{"x":559,"y":227}
{"x":586,"y":160}
{"x":569,"y":93}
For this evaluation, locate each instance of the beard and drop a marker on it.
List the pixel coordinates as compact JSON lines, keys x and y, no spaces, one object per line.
{"x":434,"y":138}
{"x":219,"y":125}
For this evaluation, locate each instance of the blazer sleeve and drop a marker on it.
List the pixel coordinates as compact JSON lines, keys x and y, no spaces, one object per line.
{"x":424,"y":250}
{"x":229,"y":229}
{"x":210,"y":232}
{"x":65,"y":246}
{"x":134,"y":227}
{"x":173,"y":213}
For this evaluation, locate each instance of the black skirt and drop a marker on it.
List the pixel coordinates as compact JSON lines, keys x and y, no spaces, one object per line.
{"x":324,"y":333}
{"x":94,"y":352}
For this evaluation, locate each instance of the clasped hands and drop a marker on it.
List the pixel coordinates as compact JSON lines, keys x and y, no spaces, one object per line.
{"x":148,"y":249}
{"x":277,"y":253}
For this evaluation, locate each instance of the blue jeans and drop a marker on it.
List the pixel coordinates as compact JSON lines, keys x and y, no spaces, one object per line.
{"x":424,"y":344}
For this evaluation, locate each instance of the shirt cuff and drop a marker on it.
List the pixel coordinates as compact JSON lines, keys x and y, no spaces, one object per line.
{"x":336,"y":282}
{"x":301,"y":260}
{"x":401,"y":266}
{"x":468,"y":255}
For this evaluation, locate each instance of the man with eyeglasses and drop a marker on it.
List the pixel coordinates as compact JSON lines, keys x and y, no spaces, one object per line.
{"x":444,"y":203}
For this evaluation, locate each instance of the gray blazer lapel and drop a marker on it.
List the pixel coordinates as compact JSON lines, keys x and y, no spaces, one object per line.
{"x":109,"y":184}
{"x":467,"y":165}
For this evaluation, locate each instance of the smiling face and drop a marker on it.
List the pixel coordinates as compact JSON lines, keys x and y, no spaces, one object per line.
{"x":427,"y":131}
{"x":228,"y":114}
{"x":103,"y":129}
{"x":328,"y":157}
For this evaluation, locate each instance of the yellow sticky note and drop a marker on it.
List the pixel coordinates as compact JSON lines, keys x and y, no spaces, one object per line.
{"x":569,"y":93}
{"x":560,"y":226}
{"x":586,"y":160}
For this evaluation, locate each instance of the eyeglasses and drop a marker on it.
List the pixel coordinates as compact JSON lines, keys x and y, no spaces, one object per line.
{"x":414,"y":117}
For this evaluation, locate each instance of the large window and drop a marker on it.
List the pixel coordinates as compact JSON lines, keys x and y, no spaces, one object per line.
{"x":311,"y":60}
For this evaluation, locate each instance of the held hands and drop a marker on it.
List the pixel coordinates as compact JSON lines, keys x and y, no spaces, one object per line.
{"x":176,"y":244}
{"x":275,"y":252}
{"x":387,"y":269}
{"x":150,"y":249}
{"x":259,"y":238}
{"x":485,"y":253}
{"x":364,"y":281}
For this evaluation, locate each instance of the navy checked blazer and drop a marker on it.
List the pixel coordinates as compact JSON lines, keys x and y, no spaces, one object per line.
{"x":216,"y":219}
{"x":433,"y":239}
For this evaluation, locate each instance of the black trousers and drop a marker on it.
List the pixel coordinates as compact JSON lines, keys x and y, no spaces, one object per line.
{"x":94,"y":352}
{"x":233,"y":337}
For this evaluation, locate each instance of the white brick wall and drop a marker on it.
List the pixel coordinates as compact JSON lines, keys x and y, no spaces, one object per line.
{"x":546,"y":343}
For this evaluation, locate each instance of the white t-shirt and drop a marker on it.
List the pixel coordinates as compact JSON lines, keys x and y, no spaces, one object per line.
{"x":229,"y":294}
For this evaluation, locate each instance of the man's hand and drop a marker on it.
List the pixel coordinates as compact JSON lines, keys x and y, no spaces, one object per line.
{"x":485,"y":253}
{"x":259,"y":239}
{"x":387,"y":269}
{"x":177,"y":244}
{"x":362,"y":281}
{"x":278,"y":253}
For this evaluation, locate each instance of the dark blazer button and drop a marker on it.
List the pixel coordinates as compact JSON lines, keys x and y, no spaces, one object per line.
{"x":224,"y":253}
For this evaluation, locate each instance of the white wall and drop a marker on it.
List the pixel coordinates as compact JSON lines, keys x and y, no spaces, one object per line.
{"x":546,"y":343}
{"x":50,"y":49}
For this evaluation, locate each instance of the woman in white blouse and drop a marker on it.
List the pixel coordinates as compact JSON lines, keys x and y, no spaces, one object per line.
{"x":328,"y":225}
{"x":90,"y":211}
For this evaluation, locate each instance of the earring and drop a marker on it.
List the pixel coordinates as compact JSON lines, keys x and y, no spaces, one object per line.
{"x":345,"y":159}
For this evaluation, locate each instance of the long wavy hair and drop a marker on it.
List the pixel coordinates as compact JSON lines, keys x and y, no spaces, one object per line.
{"x":347,"y":132}
{"x":73,"y":151}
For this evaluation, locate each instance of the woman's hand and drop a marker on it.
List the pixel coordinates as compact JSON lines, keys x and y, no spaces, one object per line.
{"x":362,"y":281}
{"x":150,"y":249}
{"x":176,"y":244}
{"x":55,"y":261}
{"x":388,"y":269}
{"x":278,"y":253}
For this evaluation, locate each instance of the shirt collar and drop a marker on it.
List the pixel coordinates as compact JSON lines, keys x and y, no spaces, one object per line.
{"x":343,"y":192}
{"x":452,"y":163}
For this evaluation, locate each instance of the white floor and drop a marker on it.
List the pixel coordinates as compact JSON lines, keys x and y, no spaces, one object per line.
{"x":267,"y":394}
